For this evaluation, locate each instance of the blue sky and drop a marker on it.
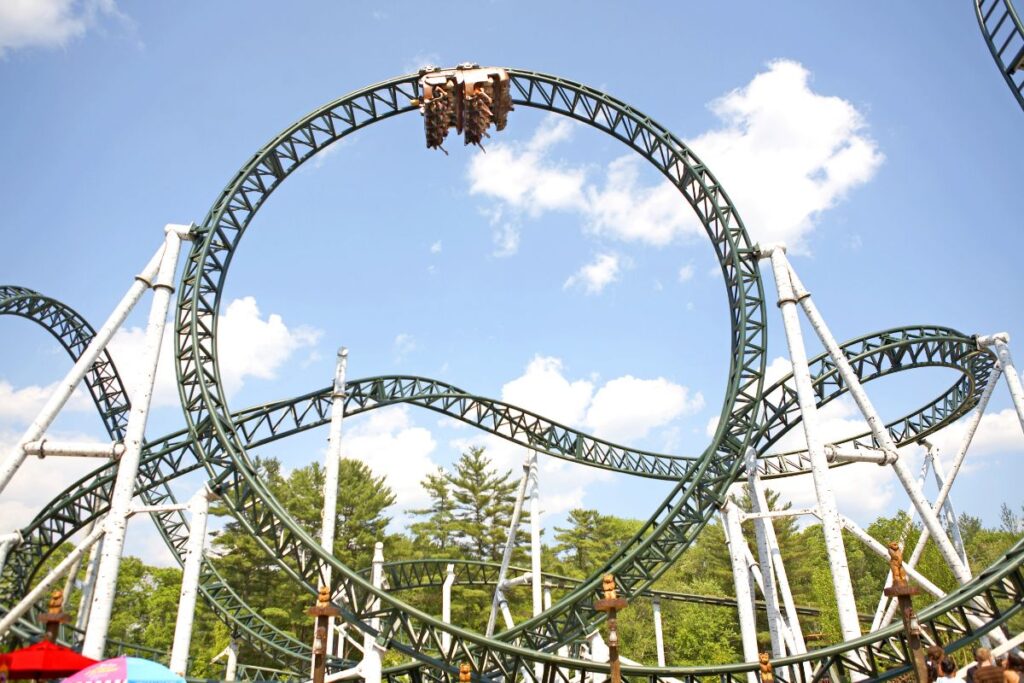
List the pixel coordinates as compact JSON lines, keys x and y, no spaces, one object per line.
{"x":555,"y":270}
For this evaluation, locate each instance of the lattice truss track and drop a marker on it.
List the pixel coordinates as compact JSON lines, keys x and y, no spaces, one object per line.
{"x":550,"y":646}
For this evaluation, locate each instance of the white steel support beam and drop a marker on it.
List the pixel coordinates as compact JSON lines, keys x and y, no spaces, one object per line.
{"x":659,"y":638}
{"x":332,"y":465}
{"x":89,"y":583}
{"x":831,"y":525}
{"x":30,"y":598}
{"x":66,"y":387}
{"x":880,"y":550}
{"x":533,"y":490}
{"x":199,"y":506}
{"x":44,"y":448}
{"x":952,"y":524}
{"x":506,"y":557}
{"x":1000,"y":342}
{"x":741,"y":579}
{"x":446,"y":606}
{"x":231,"y":653}
{"x":116,"y":523}
{"x":767,"y":548}
{"x":69,"y":582}
{"x":877,"y":426}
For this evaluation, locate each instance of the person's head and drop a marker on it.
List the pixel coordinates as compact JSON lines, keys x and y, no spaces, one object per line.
{"x":1014,"y":661}
{"x":947,"y":667}
{"x":982,"y":655}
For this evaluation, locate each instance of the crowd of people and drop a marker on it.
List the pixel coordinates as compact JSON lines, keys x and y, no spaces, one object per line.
{"x":985,"y":669}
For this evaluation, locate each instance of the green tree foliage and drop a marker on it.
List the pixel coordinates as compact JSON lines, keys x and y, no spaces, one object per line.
{"x":468,"y":517}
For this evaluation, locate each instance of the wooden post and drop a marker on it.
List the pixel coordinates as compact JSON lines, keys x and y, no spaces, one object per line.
{"x":903,"y":592}
{"x":612,"y":603}
{"x":323,"y":611}
{"x":54,"y":617}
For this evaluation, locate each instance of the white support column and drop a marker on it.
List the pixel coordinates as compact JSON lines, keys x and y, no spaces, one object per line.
{"x":332,"y":465}
{"x":537,"y":579}
{"x":116,"y":523}
{"x":878,"y":430}
{"x":659,"y":639}
{"x":952,"y":524}
{"x":1000,"y":342}
{"x":828,"y":511}
{"x":372,"y":663}
{"x":446,"y":606}
{"x":44,"y":448}
{"x":231,"y":653}
{"x":764,"y":533}
{"x":69,"y":582}
{"x":506,"y":558}
{"x":89,"y":583}
{"x":880,"y":550}
{"x":200,"y":509}
{"x":66,"y":387}
{"x":741,"y":579}
{"x":25,"y":604}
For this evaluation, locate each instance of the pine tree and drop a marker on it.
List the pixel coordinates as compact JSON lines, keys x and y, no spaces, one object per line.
{"x":437,"y":532}
{"x":483,"y":504}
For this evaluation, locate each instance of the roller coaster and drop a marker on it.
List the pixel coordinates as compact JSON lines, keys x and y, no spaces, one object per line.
{"x":561,"y":641}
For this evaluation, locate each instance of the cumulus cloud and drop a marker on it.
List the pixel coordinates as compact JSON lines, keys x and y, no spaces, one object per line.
{"x":248,"y":346}
{"x":621,"y":409}
{"x":23,"y":405}
{"x":785,"y":152}
{"x":596,"y":275}
{"x":686,"y":273}
{"x":391,"y":445}
{"x":48,"y":23}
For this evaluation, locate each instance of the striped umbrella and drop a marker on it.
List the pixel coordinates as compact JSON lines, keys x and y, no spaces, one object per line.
{"x":125,"y":670}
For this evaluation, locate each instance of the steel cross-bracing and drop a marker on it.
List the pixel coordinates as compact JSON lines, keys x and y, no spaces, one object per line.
{"x":752,"y":417}
{"x":1004,"y":35}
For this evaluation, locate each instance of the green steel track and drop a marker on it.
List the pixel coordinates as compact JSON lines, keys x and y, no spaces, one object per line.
{"x":217,"y":440}
{"x":1004,"y":35}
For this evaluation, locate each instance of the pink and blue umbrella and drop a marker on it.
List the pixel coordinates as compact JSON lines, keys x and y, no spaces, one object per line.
{"x":125,"y":670}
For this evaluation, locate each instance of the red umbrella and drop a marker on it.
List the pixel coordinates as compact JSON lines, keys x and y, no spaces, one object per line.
{"x":44,"y":660}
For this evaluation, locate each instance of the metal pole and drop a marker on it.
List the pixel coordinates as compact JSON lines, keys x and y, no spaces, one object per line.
{"x":537,"y":579}
{"x":506,"y":557}
{"x":877,"y":426}
{"x":25,"y":604}
{"x":116,"y":523}
{"x":332,"y":464}
{"x":741,"y":579}
{"x":200,"y":509}
{"x":78,"y":449}
{"x":371,"y":665}
{"x":1000,"y":343}
{"x":66,"y":387}
{"x":828,"y":511}
{"x":759,"y":504}
{"x":947,"y":508}
{"x":659,"y":640}
{"x":89,"y":584}
{"x":69,"y":582}
{"x":446,"y":606}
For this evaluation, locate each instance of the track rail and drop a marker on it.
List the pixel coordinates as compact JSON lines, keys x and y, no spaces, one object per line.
{"x":1004,"y":35}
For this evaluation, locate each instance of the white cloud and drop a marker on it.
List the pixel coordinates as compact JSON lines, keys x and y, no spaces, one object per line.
{"x":627,"y":408}
{"x":388,"y":442}
{"x":621,"y":409}
{"x":686,"y":273}
{"x":403,"y":345}
{"x":248,"y":345}
{"x":596,"y":275}
{"x":543,"y":389}
{"x":23,"y":405}
{"x":785,"y":153}
{"x":48,"y":23}
{"x":435,"y":248}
